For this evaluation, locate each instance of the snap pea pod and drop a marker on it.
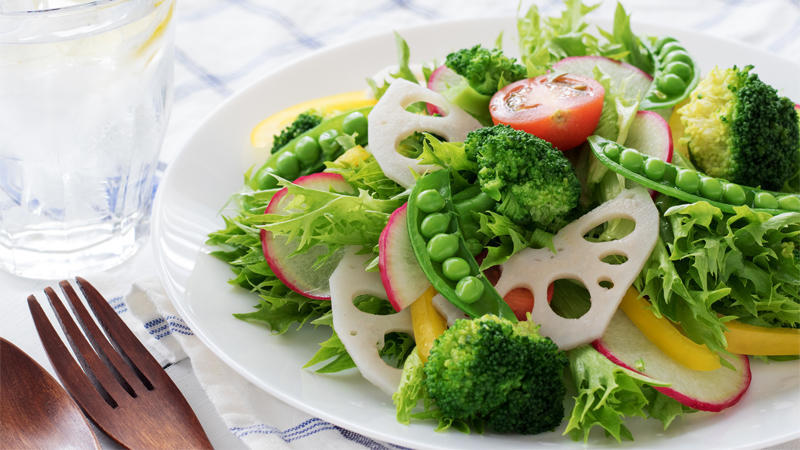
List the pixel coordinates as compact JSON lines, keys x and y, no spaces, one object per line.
{"x":443,"y":254}
{"x":676,"y":74}
{"x":307,"y":153}
{"x":686,"y":184}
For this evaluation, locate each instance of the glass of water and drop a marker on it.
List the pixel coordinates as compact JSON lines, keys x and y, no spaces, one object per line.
{"x":85,"y":94}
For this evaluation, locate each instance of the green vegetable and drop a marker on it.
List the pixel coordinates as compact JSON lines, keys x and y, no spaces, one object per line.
{"x":434,"y":224}
{"x":533,"y":182}
{"x":307,"y":149}
{"x":286,"y":162}
{"x":486,"y":70}
{"x":304,"y":122}
{"x":469,"y":289}
{"x":675,"y":76}
{"x":366,"y":175}
{"x":355,"y":123}
{"x":622,"y":36}
{"x":685,"y":184}
{"x":737,"y":127}
{"x":494,"y":371}
{"x":430,"y":200}
{"x":543,"y":42}
{"x":403,"y":71}
{"x":430,"y":253}
{"x":710,"y":267}
{"x":608,"y":393}
{"x":455,"y":268}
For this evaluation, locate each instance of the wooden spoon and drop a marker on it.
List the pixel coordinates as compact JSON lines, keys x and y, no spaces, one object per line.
{"x":35,"y":411}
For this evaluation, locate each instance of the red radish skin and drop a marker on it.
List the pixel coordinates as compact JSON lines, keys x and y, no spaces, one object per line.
{"x":439,"y":81}
{"x":743,"y":383}
{"x":401,"y":276}
{"x":271,"y":247}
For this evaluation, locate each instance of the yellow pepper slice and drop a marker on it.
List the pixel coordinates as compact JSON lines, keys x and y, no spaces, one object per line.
{"x":665,"y":336}
{"x":676,"y":128}
{"x":262,"y":134}
{"x":427,"y":322}
{"x":353,"y":156}
{"x":747,"y":339}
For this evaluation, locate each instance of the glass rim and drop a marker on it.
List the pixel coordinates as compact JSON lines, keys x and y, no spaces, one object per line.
{"x":61,"y":9}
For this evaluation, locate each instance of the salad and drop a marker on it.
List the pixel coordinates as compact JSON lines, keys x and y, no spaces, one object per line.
{"x":591,"y":232}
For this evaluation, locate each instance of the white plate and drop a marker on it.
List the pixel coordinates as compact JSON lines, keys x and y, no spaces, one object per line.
{"x":209,"y":169}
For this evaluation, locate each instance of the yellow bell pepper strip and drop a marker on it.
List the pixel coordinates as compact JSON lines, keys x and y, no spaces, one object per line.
{"x":353,"y":156}
{"x":261,"y":136}
{"x":747,"y":339}
{"x":665,"y":336}
{"x":427,"y":322}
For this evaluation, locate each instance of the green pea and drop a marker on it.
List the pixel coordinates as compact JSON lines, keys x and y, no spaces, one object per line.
{"x":711,"y":188}
{"x":469,"y":289}
{"x":654,"y":169}
{"x":670,"y":84}
{"x":265,"y":180}
{"x":678,"y":56}
{"x":687,"y":180}
{"x":430,"y":200}
{"x":442,"y":246}
{"x":474,"y":246}
{"x":790,"y":202}
{"x":734,"y":194}
{"x":670,"y":47}
{"x":327,"y":140}
{"x":355,"y":122}
{"x":681,"y":69}
{"x":307,"y":150}
{"x":434,"y":224}
{"x":664,"y":41}
{"x":765,"y":200}
{"x":455,"y":268}
{"x":288,"y":166}
{"x":631,"y":160}
{"x":612,"y":151}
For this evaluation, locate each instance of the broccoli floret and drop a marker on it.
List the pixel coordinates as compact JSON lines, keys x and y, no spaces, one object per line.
{"x":304,"y":122}
{"x":533,"y":182}
{"x":485,"y":70}
{"x":502,"y":374}
{"x":737,"y":127}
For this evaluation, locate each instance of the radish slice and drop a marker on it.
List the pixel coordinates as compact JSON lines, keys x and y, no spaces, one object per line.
{"x":295,"y":271}
{"x":440,"y":80}
{"x":400,"y":273}
{"x":389,"y":123}
{"x":633,"y":81}
{"x":582,"y":260}
{"x":713,"y":390}
{"x":362,"y":333}
{"x":651,"y":135}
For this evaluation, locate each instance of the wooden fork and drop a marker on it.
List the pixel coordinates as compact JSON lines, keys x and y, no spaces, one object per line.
{"x":119,"y":385}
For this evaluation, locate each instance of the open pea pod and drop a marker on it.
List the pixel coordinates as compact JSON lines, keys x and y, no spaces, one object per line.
{"x":676,"y":75}
{"x":307,"y":153}
{"x":686,"y":184}
{"x":442,"y":252}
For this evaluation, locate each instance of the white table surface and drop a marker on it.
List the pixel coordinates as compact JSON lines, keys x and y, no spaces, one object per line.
{"x":251,"y":38}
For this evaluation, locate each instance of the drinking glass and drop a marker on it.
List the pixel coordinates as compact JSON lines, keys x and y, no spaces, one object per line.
{"x":85,"y":94}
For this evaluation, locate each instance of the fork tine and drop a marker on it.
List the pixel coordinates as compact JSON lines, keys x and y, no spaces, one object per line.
{"x":97,"y":371}
{"x":122,"y":371}
{"x":124,"y":339}
{"x":73,"y":378}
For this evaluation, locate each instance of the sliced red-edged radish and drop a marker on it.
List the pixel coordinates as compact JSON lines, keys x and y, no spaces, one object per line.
{"x":295,"y":271}
{"x":442,"y":79}
{"x":713,"y":390}
{"x":362,"y":334}
{"x":650,"y":134}
{"x":633,"y":81}
{"x":389,"y":123}
{"x":401,"y":275}
{"x":582,"y":260}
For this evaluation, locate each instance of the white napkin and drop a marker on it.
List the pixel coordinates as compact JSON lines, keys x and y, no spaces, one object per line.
{"x":252,"y":415}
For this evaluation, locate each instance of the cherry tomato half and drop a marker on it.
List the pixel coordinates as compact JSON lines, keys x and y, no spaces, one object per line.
{"x":562,"y":109}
